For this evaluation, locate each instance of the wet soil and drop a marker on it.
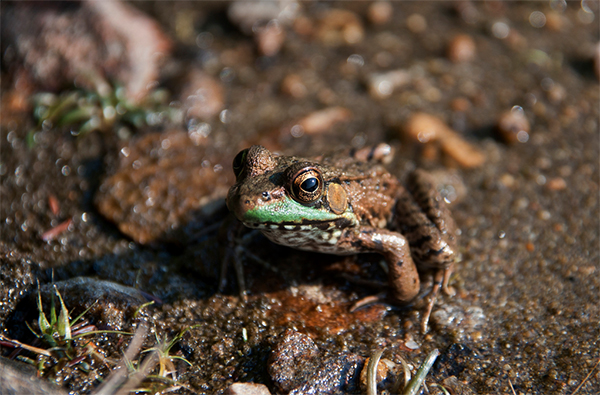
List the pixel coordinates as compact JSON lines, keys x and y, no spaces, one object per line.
{"x":525,"y":316}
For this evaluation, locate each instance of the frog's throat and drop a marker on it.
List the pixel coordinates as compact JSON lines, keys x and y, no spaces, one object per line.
{"x":290,"y":212}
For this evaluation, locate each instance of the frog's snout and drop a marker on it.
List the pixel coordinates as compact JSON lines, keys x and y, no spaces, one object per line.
{"x":239,"y":204}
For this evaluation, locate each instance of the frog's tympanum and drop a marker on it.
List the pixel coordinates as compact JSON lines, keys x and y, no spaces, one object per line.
{"x":348,"y":204}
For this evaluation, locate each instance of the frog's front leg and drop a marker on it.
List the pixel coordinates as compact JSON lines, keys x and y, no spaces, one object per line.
{"x":403,"y":276}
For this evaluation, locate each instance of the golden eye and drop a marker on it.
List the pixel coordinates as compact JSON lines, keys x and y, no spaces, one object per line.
{"x":238,"y":162}
{"x":307,"y":185}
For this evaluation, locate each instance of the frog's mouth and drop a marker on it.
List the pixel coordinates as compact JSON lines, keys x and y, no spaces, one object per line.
{"x":304,"y":225}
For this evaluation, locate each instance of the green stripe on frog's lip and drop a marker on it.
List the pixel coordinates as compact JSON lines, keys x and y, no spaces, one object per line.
{"x":289,"y":212}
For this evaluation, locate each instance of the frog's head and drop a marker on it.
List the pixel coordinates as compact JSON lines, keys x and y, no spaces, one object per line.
{"x":285,"y":192}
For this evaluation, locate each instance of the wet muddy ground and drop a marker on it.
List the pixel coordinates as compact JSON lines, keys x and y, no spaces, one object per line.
{"x":130,"y":195}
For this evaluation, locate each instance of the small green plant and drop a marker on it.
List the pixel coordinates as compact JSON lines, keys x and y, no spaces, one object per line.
{"x":166,"y":366}
{"x":411,"y":386}
{"x":139,"y":375}
{"x":60,"y":340}
{"x":105,"y":109}
{"x":61,"y":345}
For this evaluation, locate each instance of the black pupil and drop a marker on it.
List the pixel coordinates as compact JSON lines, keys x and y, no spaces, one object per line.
{"x":310,"y":184}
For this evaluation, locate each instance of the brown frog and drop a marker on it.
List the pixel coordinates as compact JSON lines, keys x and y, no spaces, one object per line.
{"x":348,"y":204}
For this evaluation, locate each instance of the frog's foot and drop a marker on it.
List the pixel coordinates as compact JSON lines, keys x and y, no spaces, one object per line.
{"x":369,"y":300}
{"x":445,"y":288}
{"x":236,"y":249}
{"x":440,"y":280}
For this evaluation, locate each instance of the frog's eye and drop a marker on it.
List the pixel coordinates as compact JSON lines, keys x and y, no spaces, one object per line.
{"x":238,"y":162}
{"x":307,"y":185}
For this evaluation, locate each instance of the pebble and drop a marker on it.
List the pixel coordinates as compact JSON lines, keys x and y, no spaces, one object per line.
{"x":247,"y":389}
{"x":380,"y":12}
{"x":296,"y":367}
{"x":248,"y":14}
{"x":513,"y":126}
{"x":555,"y":21}
{"x":556,"y":184}
{"x":323,"y":120}
{"x":426,"y":128}
{"x":457,"y":319}
{"x":203,"y":96}
{"x":461,"y":48}
{"x":462,"y":152}
{"x":411,"y":344}
{"x":460,"y":104}
{"x":270,"y":38}
{"x":293,"y":86}
{"x":340,"y":27}
{"x":382,"y":85}
{"x":22,"y":378}
{"x":294,"y":355}
{"x":416,"y":23}
{"x":384,"y":368}
{"x":303,"y":26}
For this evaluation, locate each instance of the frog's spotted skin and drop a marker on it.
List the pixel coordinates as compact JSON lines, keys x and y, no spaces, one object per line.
{"x":347,"y":204}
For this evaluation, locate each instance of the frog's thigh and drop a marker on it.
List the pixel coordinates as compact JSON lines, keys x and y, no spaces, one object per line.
{"x":423,"y":217}
{"x":403,"y":276}
{"x":423,"y":189}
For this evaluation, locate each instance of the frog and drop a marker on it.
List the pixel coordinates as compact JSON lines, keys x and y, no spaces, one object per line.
{"x":347,"y":203}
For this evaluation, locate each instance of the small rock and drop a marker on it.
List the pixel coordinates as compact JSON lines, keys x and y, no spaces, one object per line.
{"x":461,"y":48}
{"x":303,"y":26}
{"x":248,"y":14}
{"x":458,"y":320}
{"x":292,"y":85}
{"x":247,"y":389}
{"x":427,"y":129}
{"x":556,"y":184}
{"x":145,"y":44}
{"x":295,"y":366}
{"x":164,"y":181}
{"x":337,"y":374}
{"x":385,"y":374}
{"x":293,"y":360}
{"x":323,"y":120}
{"x":460,"y":104}
{"x":382,"y":85}
{"x":513,"y":126}
{"x":21,"y":378}
{"x":416,"y":23}
{"x":462,"y":152}
{"x":270,"y":38}
{"x":556,"y":21}
{"x":203,"y":96}
{"x":456,"y":387}
{"x":380,"y":12}
{"x":340,"y":27}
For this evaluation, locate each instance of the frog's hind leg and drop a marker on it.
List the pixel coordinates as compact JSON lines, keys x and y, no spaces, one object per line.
{"x":422,"y":216}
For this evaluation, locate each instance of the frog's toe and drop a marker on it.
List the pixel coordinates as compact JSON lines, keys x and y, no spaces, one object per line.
{"x":368,"y":301}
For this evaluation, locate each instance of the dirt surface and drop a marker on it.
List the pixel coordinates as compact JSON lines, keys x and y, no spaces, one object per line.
{"x":523,"y":182}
